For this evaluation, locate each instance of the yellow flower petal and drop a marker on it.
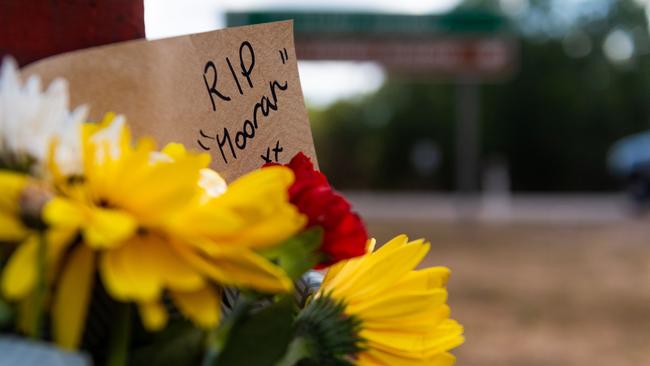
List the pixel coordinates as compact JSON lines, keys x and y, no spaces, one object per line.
{"x":154,"y":315}
{"x":174,"y":150}
{"x":440,"y":339}
{"x":108,"y":228}
{"x":419,"y":322}
{"x":428,"y":278}
{"x":20,"y":273}
{"x":143,"y":266}
{"x":11,"y":186}
{"x":173,"y":270}
{"x":349,"y":268}
{"x":381,"y":270}
{"x":61,"y":212}
{"x":393,"y":305}
{"x":285,"y":222}
{"x":57,"y":240}
{"x":159,"y":190}
{"x":130,"y":273}
{"x":201,"y":306}
{"x":240,"y":267}
{"x":72,"y":298}
{"x":253,"y":212}
{"x":334,"y":270}
{"x":379,"y":358}
{"x":11,"y":228}
{"x":260,"y":183}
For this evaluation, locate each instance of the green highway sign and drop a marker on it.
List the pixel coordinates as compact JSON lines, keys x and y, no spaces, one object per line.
{"x":459,"y":22}
{"x":463,"y":44}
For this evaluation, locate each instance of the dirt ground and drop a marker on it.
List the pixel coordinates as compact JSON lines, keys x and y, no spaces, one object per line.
{"x":543,"y":294}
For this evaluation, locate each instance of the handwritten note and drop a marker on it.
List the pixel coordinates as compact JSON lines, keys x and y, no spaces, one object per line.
{"x":234,"y":93}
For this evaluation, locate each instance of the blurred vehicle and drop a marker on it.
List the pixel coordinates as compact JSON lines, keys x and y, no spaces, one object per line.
{"x":629,"y":159}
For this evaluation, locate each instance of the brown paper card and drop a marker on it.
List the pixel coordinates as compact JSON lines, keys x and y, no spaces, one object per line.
{"x":233,"y":92}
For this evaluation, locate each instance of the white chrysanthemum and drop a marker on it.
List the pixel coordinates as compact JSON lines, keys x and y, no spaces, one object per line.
{"x":30,"y":119}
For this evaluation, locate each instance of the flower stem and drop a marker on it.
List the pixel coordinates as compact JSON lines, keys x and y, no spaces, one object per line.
{"x":120,"y":337}
{"x":298,"y":350}
{"x":218,"y":338}
{"x":40,"y":291}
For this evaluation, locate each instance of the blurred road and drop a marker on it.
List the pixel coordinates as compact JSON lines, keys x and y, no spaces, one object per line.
{"x":499,"y":208}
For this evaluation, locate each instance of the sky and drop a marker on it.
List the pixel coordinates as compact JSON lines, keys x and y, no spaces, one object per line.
{"x":168,"y":18}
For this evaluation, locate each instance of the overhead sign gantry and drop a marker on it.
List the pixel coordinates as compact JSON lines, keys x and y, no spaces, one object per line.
{"x":465,"y":47}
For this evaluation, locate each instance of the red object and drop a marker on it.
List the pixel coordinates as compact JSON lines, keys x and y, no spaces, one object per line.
{"x":35,"y":29}
{"x":345,"y":235}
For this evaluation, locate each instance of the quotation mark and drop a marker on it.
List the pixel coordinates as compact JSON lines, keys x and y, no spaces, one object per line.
{"x":284,"y":56}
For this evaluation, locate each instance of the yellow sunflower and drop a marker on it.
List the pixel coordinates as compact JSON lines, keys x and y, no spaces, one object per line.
{"x":403,"y":312}
{"x":132,"y":210}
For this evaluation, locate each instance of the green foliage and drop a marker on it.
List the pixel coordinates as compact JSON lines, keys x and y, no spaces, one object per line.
{"x":552,"y":123}
{"x":260,"y":337}
{"x":6,"y":314}
{"x":320,"y":334}
{"x":297,"y":254}
{"x":21,"y":164}
{"x":180,"y":344}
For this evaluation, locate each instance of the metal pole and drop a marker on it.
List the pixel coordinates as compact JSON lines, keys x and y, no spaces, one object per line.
{"x":467,"y":136}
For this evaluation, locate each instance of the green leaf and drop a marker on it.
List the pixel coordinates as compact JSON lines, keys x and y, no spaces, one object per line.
{"x":6,"y":314}
{"x":260,"y":338}
{"x":179,"y":344}
{"x":298,"y":254}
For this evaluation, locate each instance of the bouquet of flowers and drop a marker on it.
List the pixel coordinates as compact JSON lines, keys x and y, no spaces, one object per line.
{"x":133,"y":255}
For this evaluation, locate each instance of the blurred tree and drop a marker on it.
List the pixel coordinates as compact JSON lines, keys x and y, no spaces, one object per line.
{"x":369,"y":143}
{"x":583,"y":82}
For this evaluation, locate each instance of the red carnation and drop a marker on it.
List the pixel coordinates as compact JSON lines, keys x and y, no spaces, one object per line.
{"x":344,"y":235}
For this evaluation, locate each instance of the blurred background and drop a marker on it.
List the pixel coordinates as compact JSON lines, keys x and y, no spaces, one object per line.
{"x":510,"y":133}
{"x":513,"y":134}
